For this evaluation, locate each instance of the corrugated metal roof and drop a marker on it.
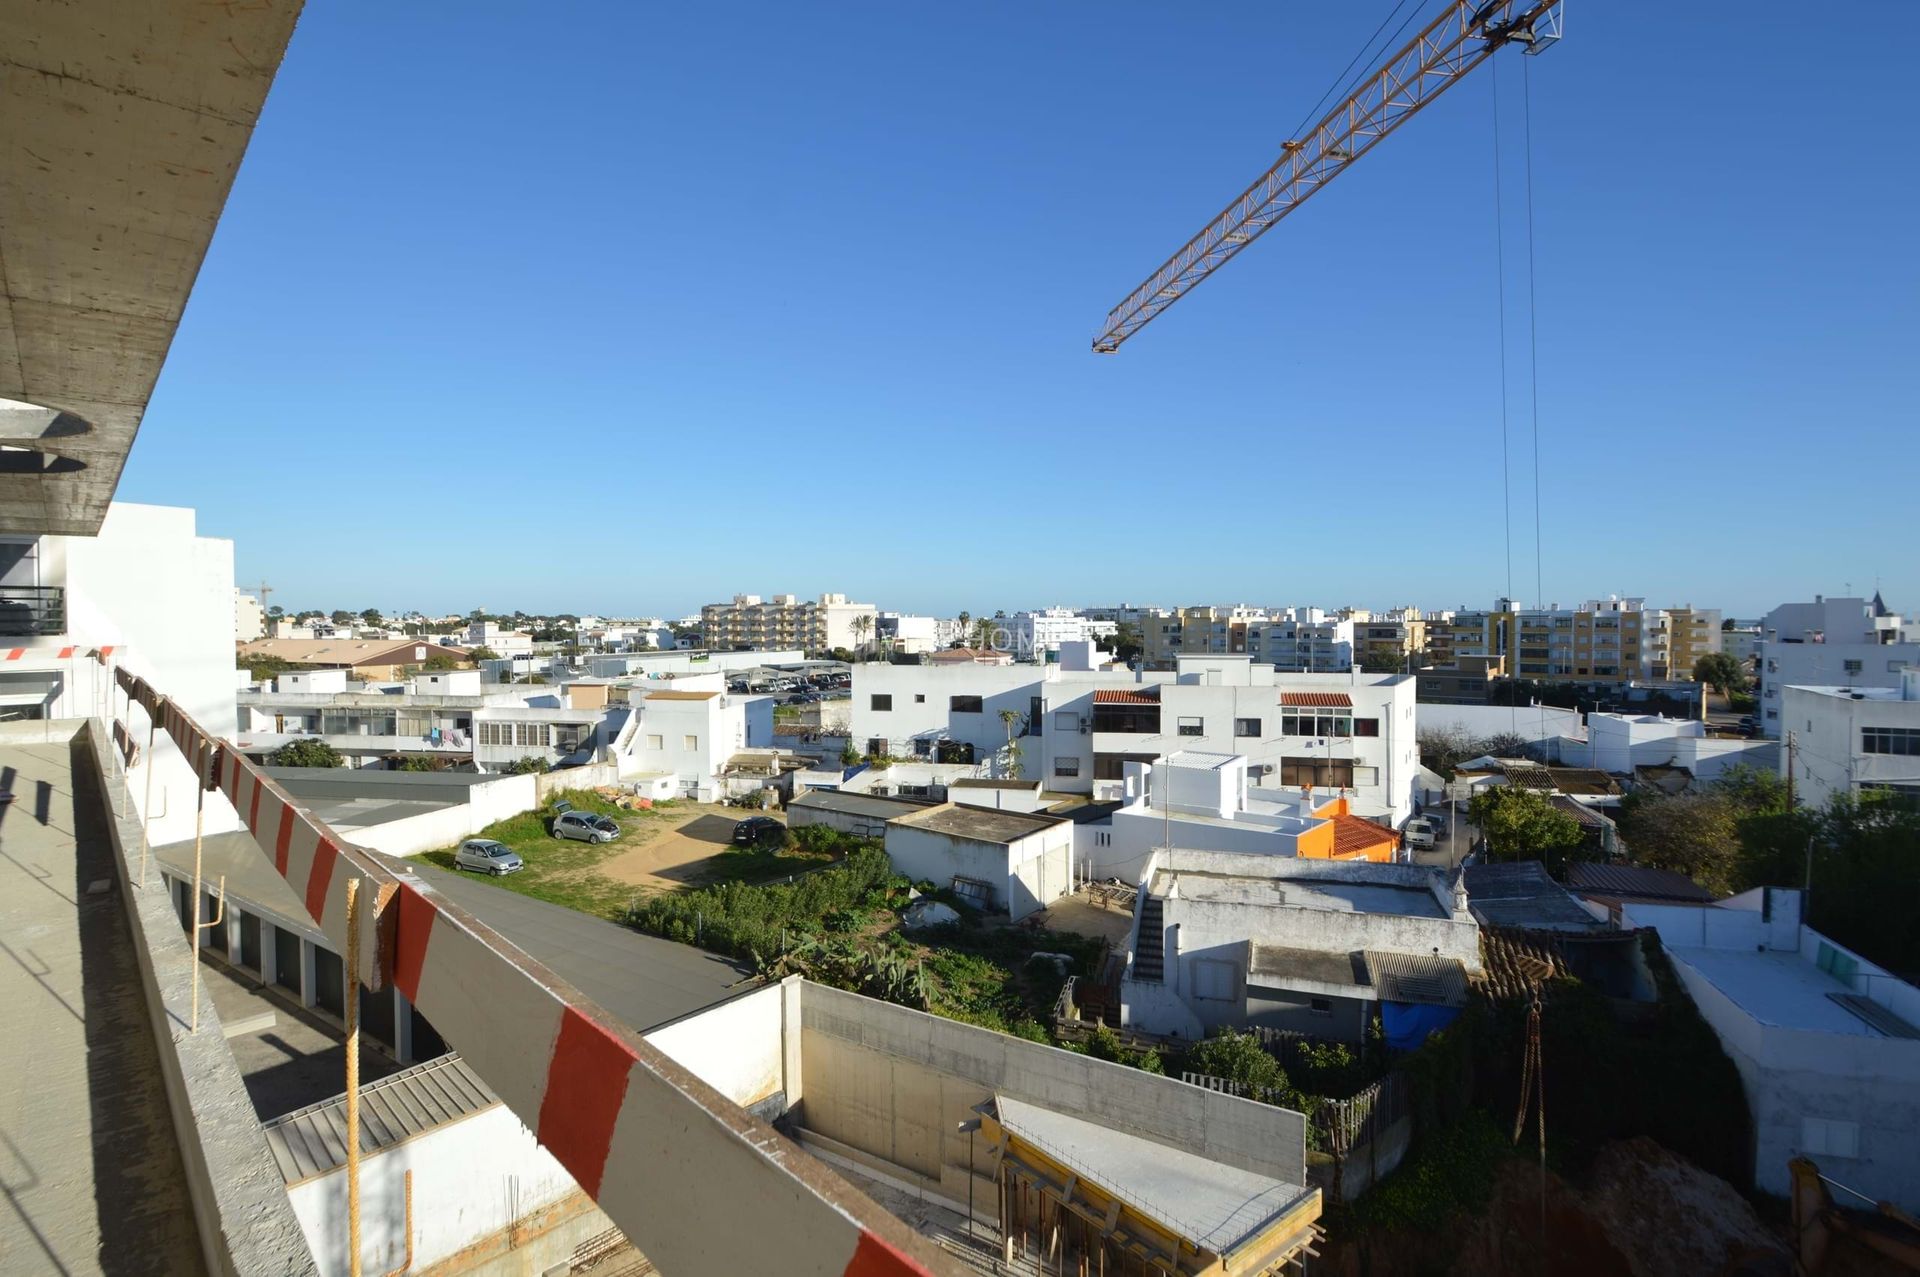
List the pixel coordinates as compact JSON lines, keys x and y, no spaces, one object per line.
{"x":1638,"y":882}
{"x":1417,"y":977}
{"x":1125,"y":696}
{"x":313,"y":1140}
{"x":1317,"y":700}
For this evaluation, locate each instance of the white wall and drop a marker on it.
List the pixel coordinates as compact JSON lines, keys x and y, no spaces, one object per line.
{"x":162,"y":595}
{"x":738,"y":1047}
{"x":1827,"y":731}
{"x":1784,"y":665}
{"x":1027,"y":874}
{"x":470,"y":1179}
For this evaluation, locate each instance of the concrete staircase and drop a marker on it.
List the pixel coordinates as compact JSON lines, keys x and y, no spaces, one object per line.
{"x":1149,"y":956}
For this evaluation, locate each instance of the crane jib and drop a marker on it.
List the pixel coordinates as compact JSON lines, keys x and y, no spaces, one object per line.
{"x":1462,"y":37}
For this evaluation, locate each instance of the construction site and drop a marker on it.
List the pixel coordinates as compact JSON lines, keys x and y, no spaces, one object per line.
{"x":240,"y":1043}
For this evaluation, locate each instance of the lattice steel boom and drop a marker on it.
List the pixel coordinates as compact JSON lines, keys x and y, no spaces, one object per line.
{"x":1461,"y":38}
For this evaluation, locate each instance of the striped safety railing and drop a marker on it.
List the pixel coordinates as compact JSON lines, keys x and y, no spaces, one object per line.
{"x":696,"y":1183}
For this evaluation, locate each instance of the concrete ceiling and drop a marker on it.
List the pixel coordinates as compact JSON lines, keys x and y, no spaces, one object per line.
{"x":122,"y":124}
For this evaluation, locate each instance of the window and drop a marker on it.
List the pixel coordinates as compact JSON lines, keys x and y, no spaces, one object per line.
{"x":1320,"y":1006}
{"x":1066,"y":767}
{"x":1366,"y":727}
{"x":1894,"y":667}
{"x":922,"y":747}
{"x":919,"y":698}
{"x":1826,"y":1137}
{"x":1246,"y":727}
{"x":1853,"y":667}
{"x":1902,"y":741}
{"x":1366,"y":776}
{"x":656,"y":742}
{"x":1904,"y":794}
{"x":1114,"y":766}
{"x":1216,"y":981}
{"x":1101,"y":838}
{"x":1132,"y":720}
{"x":1306,"y":722}
{"x":965,"y":705}
{"x":690,"y":742}
{"x":880,"y":701}
{"x":1066,"y":721}
{"x":1321,"y":773}
{"x":539,"y":734}
{"x":1192,"y":727}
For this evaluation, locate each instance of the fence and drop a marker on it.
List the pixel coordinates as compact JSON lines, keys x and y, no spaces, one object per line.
{"x":1365,"y":1135}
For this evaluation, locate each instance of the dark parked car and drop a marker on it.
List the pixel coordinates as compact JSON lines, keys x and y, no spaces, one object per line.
{"x":759,"y":831}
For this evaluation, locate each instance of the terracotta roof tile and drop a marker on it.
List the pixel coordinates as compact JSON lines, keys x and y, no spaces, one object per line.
{"x":1124,"y":696}
{"x":1352,"y":835}
{"x":1317,"y":700}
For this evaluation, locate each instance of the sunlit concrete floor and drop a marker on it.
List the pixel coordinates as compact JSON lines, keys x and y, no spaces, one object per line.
{"x":90,"y":1173}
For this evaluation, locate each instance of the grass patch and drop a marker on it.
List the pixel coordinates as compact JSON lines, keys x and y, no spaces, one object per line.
{"x":1448,"y":1174}
{"x":562,"y":871}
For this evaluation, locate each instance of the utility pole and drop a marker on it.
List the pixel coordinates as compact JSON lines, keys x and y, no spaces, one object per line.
{"x":1790,"y":744}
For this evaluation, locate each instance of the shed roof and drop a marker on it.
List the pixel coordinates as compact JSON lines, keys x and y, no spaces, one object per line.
{"x":1126,"y":696}
{"x":1353,"y":834}
{"x":1634,"y":882}
{"x":1317,"y":700}
{"x":1522,"y":895}
{"x":1218,"y":1207}
{"x":1417,"y":977}
{"x":681,"y":696}
{"x":1321,"y":966}
{"x":313,"y":1140}
{"x":852,"y":804}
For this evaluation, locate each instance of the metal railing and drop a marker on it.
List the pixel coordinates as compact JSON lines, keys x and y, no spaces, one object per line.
{"x":32,"y":611}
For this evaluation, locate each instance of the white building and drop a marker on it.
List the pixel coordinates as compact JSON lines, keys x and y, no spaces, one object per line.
{"x":907,"y":635}
{"x":1224,"y":939}
{"x":1824,"y":1040}
{"x":692,"y":736}
{"x":1301,"y":640}
{"x":1076,"y":727}
{"x":1845,"y":642}
{"x":783,"y":621}
{"x":1005,"y":861}
{"x":498,"y":638}
{"x":1741,"y":641}
{"x":1034,"y":634}
{"x":1853,"y":739}
{"x":249,"y":618}
{"x":148,"y":593}
{"x":1618,"y":743}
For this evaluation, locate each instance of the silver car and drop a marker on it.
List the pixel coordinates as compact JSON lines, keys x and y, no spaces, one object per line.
{"x":584,"y":826}
{"x":483,"y":855}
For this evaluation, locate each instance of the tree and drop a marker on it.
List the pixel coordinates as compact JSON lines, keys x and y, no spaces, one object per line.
{"x":371,"y":616}
{"x":1124,"y":642}
{"x":1383,"y":662}
{"x":862,"y":626}
{"x":1504,"y":745}
{"x":966,"y":628}
{"x":522,"y":766}
{"x":276,"y":611}
{"x":1444,"y":748}
{"x":482,"y":653}
{"x":420,"y":763}
{"x":307,"y":753}
{"x":440,"y":661}
{"x":1720,"y":672}
{"x":1238,"y":1057}
{"x":1010,"y":756}
{"x":342,"y":617}
{"x":1695,"y":834}
{"x":1519,"y":824}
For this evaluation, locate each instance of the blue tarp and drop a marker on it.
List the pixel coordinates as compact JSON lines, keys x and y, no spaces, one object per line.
{"x":1407,"y":1024}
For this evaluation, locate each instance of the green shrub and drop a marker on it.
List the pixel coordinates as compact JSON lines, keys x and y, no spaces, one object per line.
{"x":307,"y":753}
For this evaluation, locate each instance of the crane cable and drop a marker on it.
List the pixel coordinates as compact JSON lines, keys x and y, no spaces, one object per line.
{"x":1342,"y":81}
{"x":1506,"y":466}
{"x":1533,"y":352}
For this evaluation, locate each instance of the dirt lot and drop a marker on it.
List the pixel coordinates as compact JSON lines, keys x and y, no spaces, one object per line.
{"x":675,"y":855}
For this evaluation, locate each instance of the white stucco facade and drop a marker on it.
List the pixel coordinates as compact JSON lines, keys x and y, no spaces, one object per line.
{"x":1850,"y":740}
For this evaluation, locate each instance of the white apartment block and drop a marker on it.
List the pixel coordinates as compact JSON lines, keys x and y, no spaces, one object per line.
{"x":908,"y":635}
{"x":815,"y":626}
{"x":692,"y":736}
{"x":249,"y":618}
{"x":1853,"y":740}
{"x":1076,"y":726}
{"x":498,"y":638}
{"x":1034,"y":634}
{"x":1845,"y":642}
{"x":1302,"y":641}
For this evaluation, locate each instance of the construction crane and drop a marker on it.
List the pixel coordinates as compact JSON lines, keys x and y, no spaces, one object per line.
{"x":1465,"y":34}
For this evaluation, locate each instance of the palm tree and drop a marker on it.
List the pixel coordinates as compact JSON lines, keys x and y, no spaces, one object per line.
{"x":966,"y":619}
{"x":862,"y":625}
{"x":1009,"y":717}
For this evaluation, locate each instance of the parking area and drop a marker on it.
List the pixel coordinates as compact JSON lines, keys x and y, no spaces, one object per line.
{"x":667,"y":856}
{"x":1456,"y":838}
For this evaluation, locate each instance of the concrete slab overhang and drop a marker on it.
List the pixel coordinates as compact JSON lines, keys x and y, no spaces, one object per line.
{"x":122,"y":125}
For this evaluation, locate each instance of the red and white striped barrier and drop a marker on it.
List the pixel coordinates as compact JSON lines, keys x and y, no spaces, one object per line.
{"x":100,"y":654}
{"x":695,"y":1181}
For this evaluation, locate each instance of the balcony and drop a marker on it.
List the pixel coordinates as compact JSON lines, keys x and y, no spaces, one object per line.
{"x":32,"y":611}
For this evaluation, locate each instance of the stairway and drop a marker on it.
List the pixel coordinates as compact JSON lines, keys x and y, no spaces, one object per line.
{"x":1149,"y":955}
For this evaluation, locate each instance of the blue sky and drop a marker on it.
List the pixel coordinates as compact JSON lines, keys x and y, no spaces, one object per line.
{"x":637,"y":309}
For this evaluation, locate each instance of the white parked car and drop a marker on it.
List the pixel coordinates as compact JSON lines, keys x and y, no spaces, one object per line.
{"x":1422,"y":834}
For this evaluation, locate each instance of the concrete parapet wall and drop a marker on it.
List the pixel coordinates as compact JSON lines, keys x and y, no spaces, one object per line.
{"x":245,"y":1221}
{"x":896,"y":1083}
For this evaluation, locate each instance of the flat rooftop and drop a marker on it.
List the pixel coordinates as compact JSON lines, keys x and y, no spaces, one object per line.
{"x":1779,"y":989}
{"x":92,"y":1171}
{"x":853,"y":804}
{"x":981,"y":824}
{"x":645,"y":980}
{"x":1295,"y":893}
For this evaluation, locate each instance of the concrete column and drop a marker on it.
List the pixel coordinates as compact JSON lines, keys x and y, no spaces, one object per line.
{"x":269,"y":953}
{"x":233,"y":936}
{"x":306,"y":973}
{"x":402,"y":1028}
